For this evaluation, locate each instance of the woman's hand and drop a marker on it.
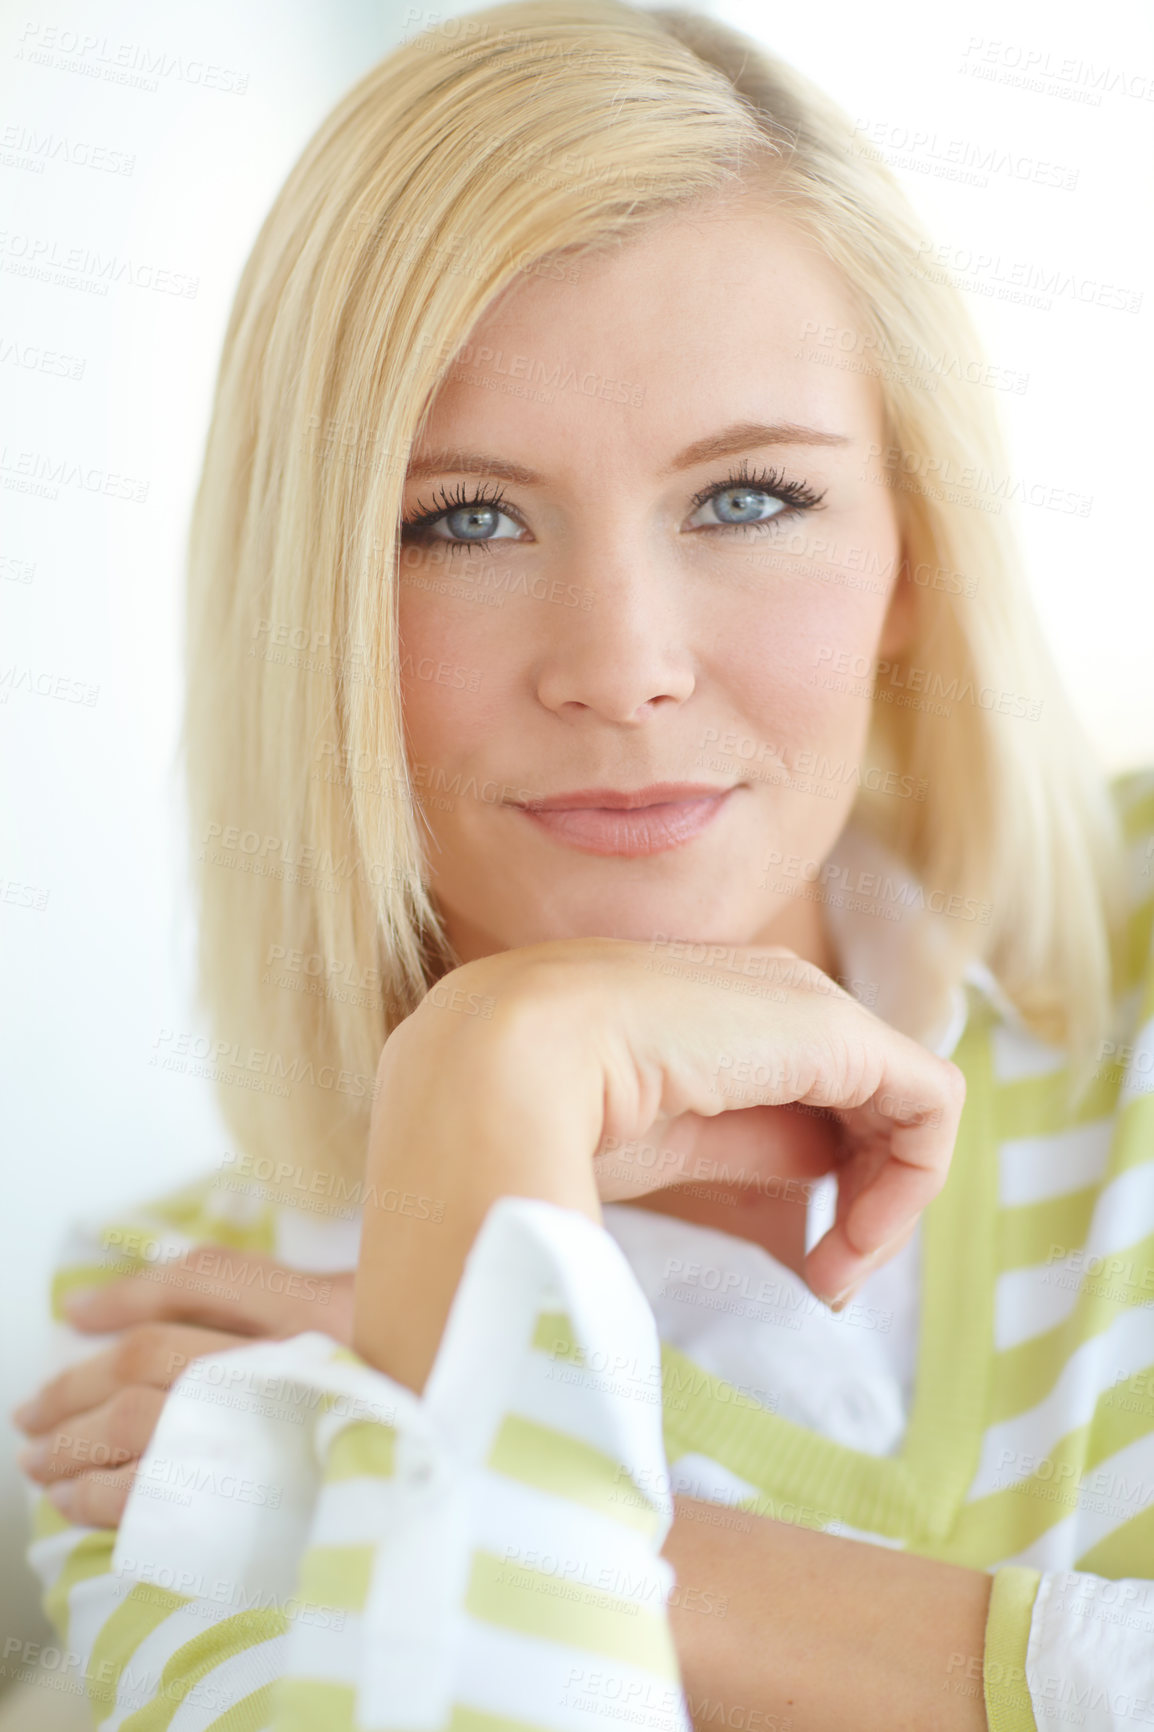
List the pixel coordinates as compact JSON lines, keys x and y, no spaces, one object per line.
{"x":90,"y":1425}
{"x":556,"y":1070}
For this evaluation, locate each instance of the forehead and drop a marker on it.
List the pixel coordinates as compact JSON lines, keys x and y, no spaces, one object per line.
{"x":724,"y":312}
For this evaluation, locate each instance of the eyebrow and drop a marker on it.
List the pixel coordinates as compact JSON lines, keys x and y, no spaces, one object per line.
{"x":742,"y":436}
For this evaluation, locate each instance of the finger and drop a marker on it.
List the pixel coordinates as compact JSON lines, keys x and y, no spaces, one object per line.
{"x":246,"y":1294}
{"x":757,"y":1148}
{"x":151,"y":1353}
{"x":95,"y":1499}
{"x":866,"y":1267}
{"x":116,"y":1432}
{"x":882,"y":1191}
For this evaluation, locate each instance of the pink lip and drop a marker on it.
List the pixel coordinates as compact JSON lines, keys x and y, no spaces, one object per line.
{"x":645,"y":821}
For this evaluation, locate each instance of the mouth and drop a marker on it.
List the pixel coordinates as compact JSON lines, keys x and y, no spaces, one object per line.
{"x":628,"y":823}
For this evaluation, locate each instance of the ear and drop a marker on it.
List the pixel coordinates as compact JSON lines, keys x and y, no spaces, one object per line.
{"x":901,"y":615}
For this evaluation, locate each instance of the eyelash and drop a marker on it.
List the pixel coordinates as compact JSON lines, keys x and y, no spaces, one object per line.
{"x":797,"y":496}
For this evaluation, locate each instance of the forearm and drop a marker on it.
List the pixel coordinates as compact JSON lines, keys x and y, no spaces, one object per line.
{"x":826,"y":1631}
{"x":466,"y":1112}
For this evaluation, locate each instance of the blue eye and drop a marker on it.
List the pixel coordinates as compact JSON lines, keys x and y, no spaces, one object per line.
{"x":737,"y":505}
{"x":468,"y":521}
{"x":740,"y":500}
{"x":474,"y":523}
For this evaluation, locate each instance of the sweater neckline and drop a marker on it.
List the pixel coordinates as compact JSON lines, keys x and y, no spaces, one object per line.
{"x":914,"y":1494}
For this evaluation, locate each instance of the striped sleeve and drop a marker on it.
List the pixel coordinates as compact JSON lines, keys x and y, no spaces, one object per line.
{"x":1085,"y":1641}
{"x":318,"y":1549}
{"x":117,"y":1636}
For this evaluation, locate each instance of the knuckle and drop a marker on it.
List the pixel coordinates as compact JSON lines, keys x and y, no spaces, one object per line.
{"x":132,"y":1413}
{"x":65,"y":1447}
{"x":805,"y":975}
{"x":54,"y":1400}
{"x":953,"y":1084}
{"x":98,"y":1499}
{"x":81,"y":1501}
{"x":135,"y":1354}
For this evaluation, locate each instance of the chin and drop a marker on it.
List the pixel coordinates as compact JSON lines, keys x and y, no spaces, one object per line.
{"x":642,"y":918}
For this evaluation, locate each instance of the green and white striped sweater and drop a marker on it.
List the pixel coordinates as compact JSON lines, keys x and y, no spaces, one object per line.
{"x":310,"y":1546}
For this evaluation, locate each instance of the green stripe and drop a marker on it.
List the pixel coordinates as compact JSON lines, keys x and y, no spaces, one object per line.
{"x":253,"y":1713}
{"x":1138,"y":951}
{"x":255,"y":1237}
{"x":538,"y":1455}
{"x":1028,"y":1233}
{"x":810,"y":1480}
{"x":185,"y":1212}
{"x":1037,"y":1106}
{"x":196,"y":1211}
{"x":312,"y":1705}
{"x":577,"y":1615}
{"x":362,"y":1449}
{"x":1121,"y":1416}
{"x":801,"y":1476}
{"x":943,"y":1442}
{"x":188,"y":1205}
{"x":473,"y":1720}
{"x":141,"y":1611}
{"x":1007,"y":1521}
{"x":1134,"y":1139}
{"x":554,"y":1334}
{"x":1012,"y":1596}
{"x":194,"y":1660}
{"x":337,"y":1576}
{"x":1133,"y":793}
{"x":308,"y":1705}
{"x":1125,"y":1552}
{"x":1024,"y":1375}
{"x":90,"y":1556}
{"x":47,"y":1520}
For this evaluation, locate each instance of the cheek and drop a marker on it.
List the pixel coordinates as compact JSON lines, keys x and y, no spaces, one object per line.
{"x":449,"y":678}
{"x":800,"y":668}
{"x":448,"y":712}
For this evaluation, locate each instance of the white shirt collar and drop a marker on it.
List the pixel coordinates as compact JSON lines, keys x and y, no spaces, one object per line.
{"x":896,"y":953}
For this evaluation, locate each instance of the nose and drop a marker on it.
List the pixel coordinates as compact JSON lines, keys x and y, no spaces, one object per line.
{"x":626,"y":653}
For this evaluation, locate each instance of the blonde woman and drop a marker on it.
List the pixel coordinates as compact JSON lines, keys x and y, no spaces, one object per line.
{"x":633,"y":804}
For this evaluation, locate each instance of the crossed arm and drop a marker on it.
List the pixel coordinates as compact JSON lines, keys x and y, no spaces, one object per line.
{"x":819,"y":1632}
{"x":775,"y":1625}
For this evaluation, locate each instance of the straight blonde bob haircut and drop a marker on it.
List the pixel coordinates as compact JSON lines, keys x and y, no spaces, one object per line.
{"x":472,"y":153}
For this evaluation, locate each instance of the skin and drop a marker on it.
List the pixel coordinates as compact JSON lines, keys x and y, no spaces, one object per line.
{"x":689,"y":629}
{"x":691,"y":633}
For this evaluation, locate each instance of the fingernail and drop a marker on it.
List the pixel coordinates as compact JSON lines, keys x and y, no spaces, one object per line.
{"x":843,"y":1298}
{"x":63,"y":1495}
{"x":79,"y":1299}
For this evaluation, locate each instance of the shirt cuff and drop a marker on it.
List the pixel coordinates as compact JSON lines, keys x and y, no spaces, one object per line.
{"x":1008,"y":1620}
{"x":1091,"y":1651}
{"x":491,"y":1546}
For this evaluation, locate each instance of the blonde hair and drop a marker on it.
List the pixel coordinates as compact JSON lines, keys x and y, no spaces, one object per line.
{"x":468,"y":154}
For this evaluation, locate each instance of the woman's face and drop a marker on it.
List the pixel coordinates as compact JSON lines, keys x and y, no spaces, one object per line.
{"x":690,"y":536}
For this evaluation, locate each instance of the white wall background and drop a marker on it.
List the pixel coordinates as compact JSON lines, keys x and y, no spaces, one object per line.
{"x":90,"y":584}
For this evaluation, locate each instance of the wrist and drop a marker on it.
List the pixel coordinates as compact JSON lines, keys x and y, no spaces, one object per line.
{"x":468,"y":1109}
